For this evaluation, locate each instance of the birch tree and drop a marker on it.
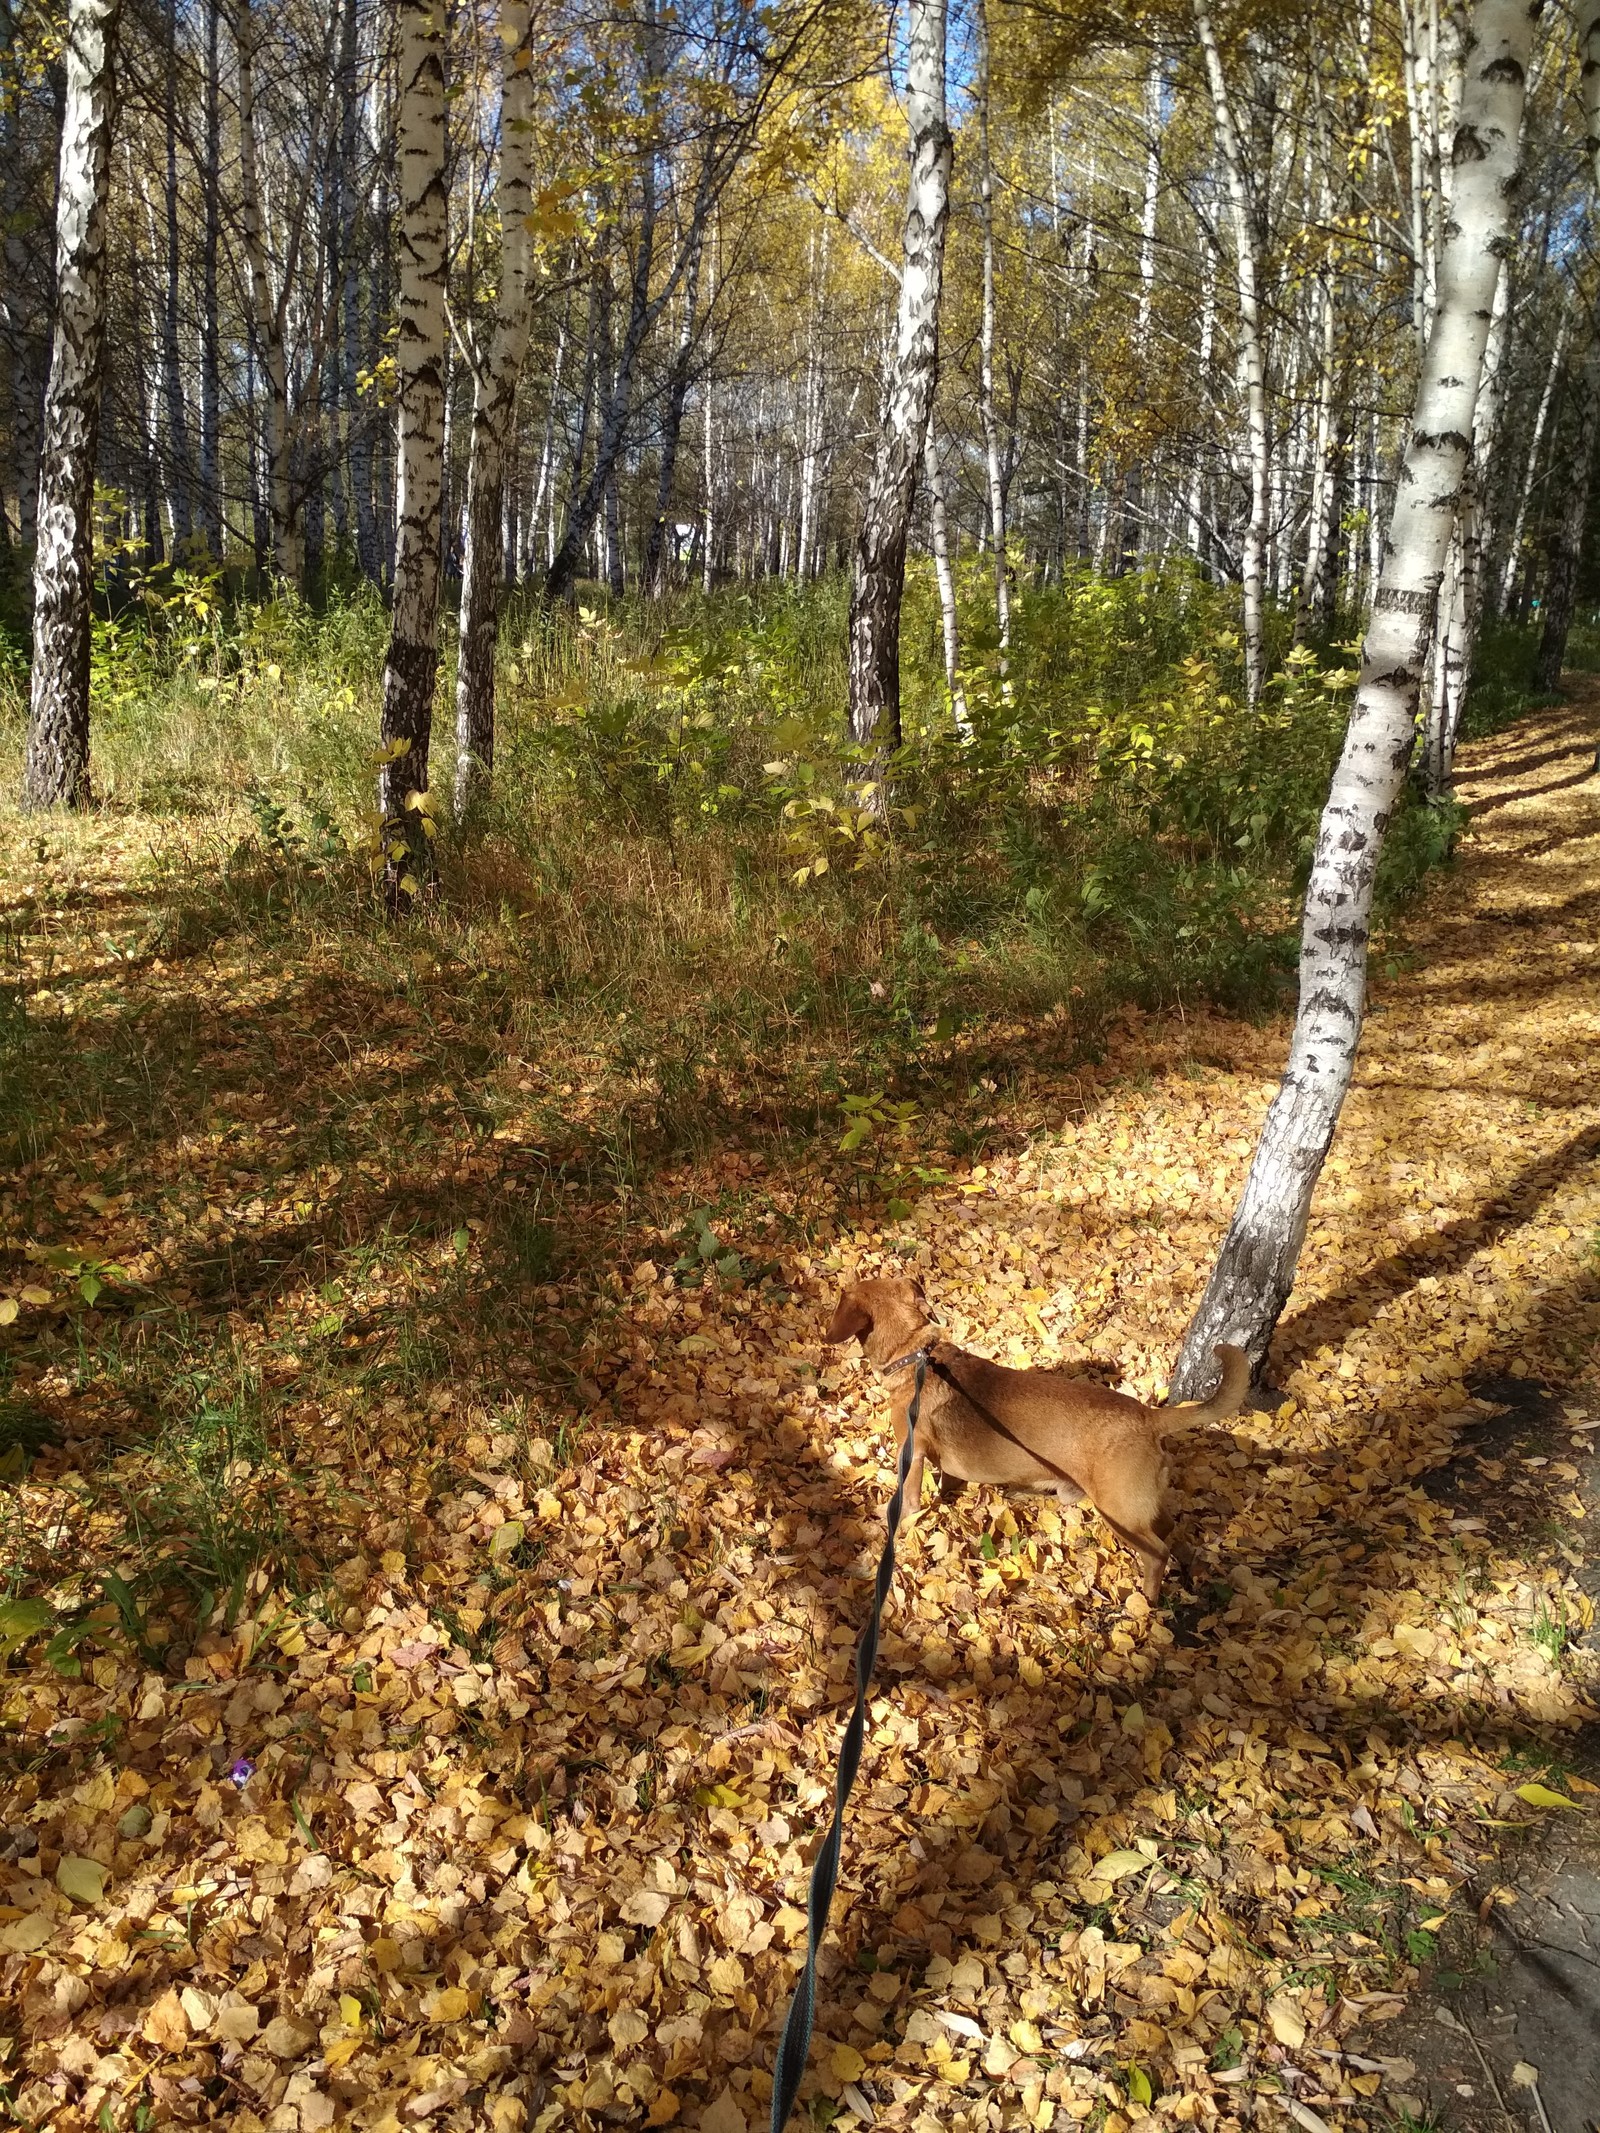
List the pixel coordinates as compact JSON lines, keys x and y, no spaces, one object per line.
{"x":1567,"y":542}
{"x":493,"y":403}
{"x":56,"y":769}
{"x":991,"y":428}
{"x":880,"y":565}
{"x":411,"y":667}
{"x":1252,"y":350}
{"x":1255,"y":1268}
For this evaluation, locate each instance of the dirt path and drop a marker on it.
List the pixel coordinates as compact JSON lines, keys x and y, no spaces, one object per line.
{"x":509,"y":1828}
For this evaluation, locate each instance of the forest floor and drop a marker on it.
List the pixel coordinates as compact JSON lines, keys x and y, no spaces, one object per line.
{"x":451,"y":1741}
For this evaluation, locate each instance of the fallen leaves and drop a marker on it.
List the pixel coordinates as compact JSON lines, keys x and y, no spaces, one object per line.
{"x":511,"y":1822}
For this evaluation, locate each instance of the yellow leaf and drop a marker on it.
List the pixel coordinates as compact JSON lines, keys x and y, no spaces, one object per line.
{"x":664,"y":2108}
{"x":349,"y":2010}
{"x":8,"y":1309}
{"x":1287,"y":2024}
{"x":84,"y":1880}
{"x":1115,"y":1864}
{"x":33,"y":1294}
{"x":342,"y":2050}
{"x":23,"y":1935}
{"x":506,"y":1539}
{"x":1025,"y":2037}
{"x":1542,"y":1796}
{"x":845,"y":2063}
{"x":452,"y":2005}
{"x":548,"y":1505}
{"x":1432,"y":1925}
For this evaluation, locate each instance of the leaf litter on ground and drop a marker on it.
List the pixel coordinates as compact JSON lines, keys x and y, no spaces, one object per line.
{"x":506,"y":1820}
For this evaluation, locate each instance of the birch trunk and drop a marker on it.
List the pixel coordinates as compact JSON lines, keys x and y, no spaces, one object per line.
{"x":991,"y":428}
{"x":18,"y":319}
{"x":1255,"y":1269}
{"x":56,"y":768}
{"x":657,"y":569}
{"x":1252,"y":353}
{"x":1461,"y":595}
{"x":266,"y":315}
{"x":544,"y":486}
{"x":880,"y":568}
{"x":947,"y":586}
{"x":1566,"y":546}
{"x":212,"y":521}
{"x":1198,"y":540}
{"x":493,"y":404}
{"x":1135,"y":537}
{"x":368,"y":545}
{"x":420,"y":241}
{"x":1514,"y":556}
{"x":181,"y":472}
{"x":708,"y":568}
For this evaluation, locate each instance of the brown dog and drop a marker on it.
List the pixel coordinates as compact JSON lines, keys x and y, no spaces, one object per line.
{"x":1029,"y":1428}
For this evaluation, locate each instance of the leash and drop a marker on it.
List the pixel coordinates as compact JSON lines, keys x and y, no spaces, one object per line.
{"x":795,"y":2048}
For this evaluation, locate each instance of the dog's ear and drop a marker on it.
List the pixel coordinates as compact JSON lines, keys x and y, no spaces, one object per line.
{"x":850,"y":1322}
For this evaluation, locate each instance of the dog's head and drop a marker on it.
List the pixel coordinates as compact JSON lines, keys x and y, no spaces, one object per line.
{"x":890,"y":1305}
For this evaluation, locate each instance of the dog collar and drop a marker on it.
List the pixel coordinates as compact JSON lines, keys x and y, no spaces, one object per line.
{"x":912,"y":1355}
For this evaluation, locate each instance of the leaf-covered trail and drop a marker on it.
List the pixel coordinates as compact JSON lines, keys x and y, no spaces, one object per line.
{"x":529,"y":1817}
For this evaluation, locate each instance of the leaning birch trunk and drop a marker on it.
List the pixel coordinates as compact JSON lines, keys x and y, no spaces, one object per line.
{"x":1255,"y":1269}
{"x":412,"y":662}
{"x":880,"y":569}
{"x":1252,"y":354}
{"x":56,"y":769}
{"x":991,"y":428}
{"x":493,"y":401}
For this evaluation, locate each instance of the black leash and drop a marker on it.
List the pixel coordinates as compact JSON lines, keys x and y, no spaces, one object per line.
{"x":795,"y":2048}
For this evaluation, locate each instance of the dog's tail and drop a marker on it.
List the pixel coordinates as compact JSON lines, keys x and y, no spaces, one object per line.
{"x":1225,"y":1401}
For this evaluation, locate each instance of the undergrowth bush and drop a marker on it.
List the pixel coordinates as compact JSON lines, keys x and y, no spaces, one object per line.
{"x":679,"y":841}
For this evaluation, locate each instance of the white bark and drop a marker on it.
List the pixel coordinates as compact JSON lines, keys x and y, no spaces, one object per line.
{"x":268,"y":313}
{"x":886,"y":520}
{"x":1255,"y":1269}
{"x":1208,"y":335}
{"x":420,"y":234}
{"x":947,"y":585}
{"x":1252,"y":351}
{"x":991,"y":428}
{"x":493,"y":402}
{"x":1514,"y":556}
{"x":1461,"y":594}
{"x":56,"y":770}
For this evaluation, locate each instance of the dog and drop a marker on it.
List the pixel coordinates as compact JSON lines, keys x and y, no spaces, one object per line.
{"x":1037,"y":1429}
